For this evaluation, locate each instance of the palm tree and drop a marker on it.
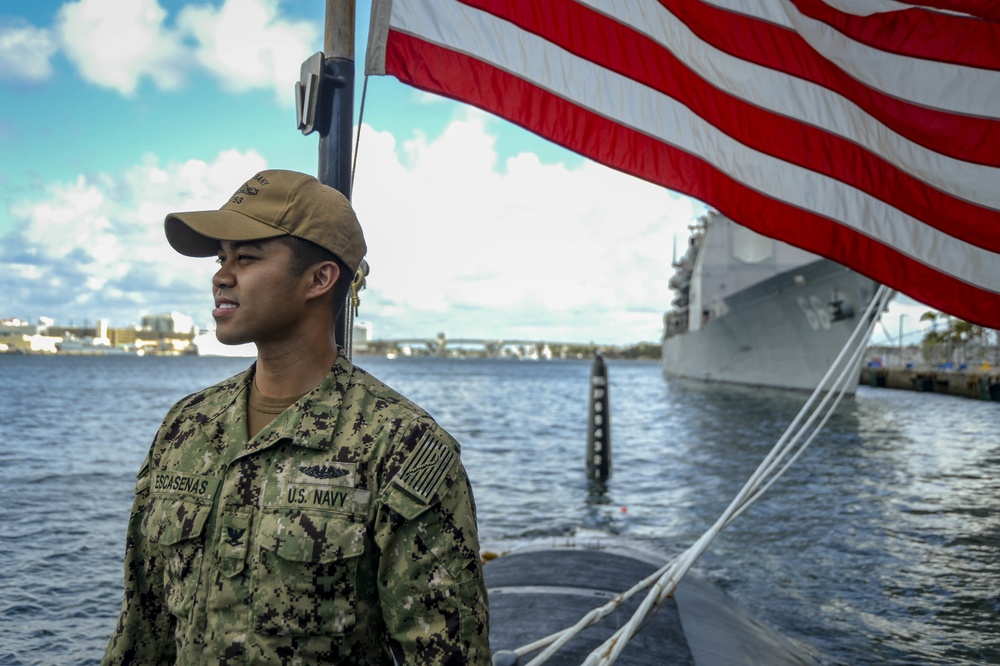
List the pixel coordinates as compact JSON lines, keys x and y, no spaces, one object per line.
{"x":958,"y":336}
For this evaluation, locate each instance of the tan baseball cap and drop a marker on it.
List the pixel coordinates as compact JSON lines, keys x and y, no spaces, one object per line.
{"x":273,"y":203}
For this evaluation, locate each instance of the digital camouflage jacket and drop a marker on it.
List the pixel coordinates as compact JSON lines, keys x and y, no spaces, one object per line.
{"x":342,"y":533}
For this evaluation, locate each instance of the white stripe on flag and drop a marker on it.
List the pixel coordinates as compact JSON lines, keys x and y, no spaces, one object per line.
{"x":939,"y":85}
{"x":801,"y":100}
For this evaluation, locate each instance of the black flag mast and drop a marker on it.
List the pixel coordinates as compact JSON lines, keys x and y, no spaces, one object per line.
{"x":324,"y":97}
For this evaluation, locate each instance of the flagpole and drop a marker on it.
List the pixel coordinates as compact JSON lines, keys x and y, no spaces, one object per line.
{"x":325,"y":95}
{"x":335,"y":133}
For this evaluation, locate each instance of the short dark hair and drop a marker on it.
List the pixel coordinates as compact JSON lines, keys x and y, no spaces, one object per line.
{"x":306,"y":254}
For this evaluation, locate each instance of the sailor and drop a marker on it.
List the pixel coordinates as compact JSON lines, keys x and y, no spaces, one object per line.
{"x":301,"y":512}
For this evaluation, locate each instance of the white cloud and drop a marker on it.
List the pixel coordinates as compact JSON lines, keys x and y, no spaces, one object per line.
{"x":26,"y":53}
{"x":115,"y":44}
{"x":246,"y":45}
{"x":540,"y":245}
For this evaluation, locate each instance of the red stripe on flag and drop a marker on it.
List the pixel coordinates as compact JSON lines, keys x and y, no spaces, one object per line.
{"x":436,"y":69}
{"x":985,"y":9}
{"x":916,"y":33}
{"x":971,"y":139}
{"x":638,"y":57}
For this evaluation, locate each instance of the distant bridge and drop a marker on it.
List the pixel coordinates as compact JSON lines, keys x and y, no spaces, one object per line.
{"x":442,"y":345}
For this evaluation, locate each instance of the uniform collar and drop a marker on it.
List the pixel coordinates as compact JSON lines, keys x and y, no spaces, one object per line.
{"x":312,"y":419}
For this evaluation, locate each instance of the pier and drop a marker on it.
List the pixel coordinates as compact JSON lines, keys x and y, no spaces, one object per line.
{"x":977,"y":383}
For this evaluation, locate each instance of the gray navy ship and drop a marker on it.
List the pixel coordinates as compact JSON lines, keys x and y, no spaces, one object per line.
{"x":754,"y":311}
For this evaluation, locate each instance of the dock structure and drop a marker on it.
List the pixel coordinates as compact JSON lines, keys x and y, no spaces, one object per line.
{"x":976,"y":383}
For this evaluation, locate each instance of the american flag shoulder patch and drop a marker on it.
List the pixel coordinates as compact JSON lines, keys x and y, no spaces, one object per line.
{"x":426,"y":467}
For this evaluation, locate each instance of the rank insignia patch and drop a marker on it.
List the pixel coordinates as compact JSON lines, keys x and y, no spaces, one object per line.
{"x":425,"y":468}
{"x":235,"y":536}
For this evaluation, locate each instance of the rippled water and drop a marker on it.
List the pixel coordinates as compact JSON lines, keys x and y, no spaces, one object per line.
{"x":882,"y":544}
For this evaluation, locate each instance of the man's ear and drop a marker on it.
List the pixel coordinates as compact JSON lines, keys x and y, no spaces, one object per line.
{"x":322,"y":278}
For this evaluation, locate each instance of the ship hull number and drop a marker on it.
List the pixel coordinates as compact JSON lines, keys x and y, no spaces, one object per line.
{"x":816,"y":311}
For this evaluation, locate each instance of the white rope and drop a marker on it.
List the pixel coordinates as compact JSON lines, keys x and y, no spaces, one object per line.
{"x":663,"y":582}
{"x":755,"y":486}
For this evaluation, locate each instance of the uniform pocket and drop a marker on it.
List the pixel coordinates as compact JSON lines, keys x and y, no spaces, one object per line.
{"x":176,"y":528}
{"x":306,"y":573}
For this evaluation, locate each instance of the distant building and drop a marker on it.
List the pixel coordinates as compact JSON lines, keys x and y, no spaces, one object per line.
{"x":166,"y":334}
{"x":174,"y":322}
{"x":35,"y":344}
{"x":17,"y":335}
{"x":17,"y":326}
{"x":361,"y":335}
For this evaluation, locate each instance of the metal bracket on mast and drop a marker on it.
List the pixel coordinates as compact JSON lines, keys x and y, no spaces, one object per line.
{"x":324,"y":103}
{"x":311,"y":90}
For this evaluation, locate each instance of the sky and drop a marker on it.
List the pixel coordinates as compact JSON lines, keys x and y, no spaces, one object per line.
{"x":114,"y":114}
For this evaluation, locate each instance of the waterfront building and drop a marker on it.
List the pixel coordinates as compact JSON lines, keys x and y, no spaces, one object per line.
{"x":171,"y":322}
{"x":361,"y":336}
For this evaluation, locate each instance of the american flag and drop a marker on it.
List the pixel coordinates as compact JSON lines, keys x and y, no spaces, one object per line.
{"x":866,"y":131}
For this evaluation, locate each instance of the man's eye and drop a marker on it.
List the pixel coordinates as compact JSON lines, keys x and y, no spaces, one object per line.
{"x":220,"y":260}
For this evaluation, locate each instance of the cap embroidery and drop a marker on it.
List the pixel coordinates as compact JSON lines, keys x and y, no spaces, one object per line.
{"x":245,"y":189}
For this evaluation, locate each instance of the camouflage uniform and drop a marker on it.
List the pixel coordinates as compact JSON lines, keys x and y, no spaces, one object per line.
{"x":345,"y":530}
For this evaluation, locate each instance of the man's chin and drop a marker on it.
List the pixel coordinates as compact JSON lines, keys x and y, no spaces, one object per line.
{"x":230,"y":339}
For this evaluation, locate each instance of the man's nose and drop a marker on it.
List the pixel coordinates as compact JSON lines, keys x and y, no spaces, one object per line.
{"x":223,"y":277}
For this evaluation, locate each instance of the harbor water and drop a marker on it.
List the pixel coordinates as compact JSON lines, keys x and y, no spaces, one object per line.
{"x":880,"y":546}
